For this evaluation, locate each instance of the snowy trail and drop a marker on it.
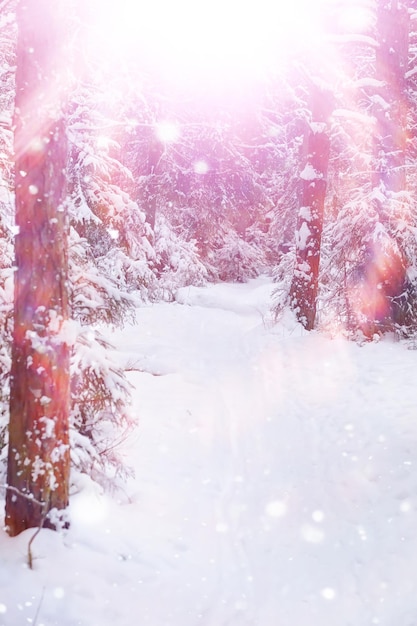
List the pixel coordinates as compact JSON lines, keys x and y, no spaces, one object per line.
{"x":211,"y":521}
{"x":275,"y":485}
{"x":290,"y":467}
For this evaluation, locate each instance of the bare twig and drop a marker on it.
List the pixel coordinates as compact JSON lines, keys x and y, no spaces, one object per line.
{"x":35,"y":534}
{"x":27,"y":496}
{"x":44,"y":507}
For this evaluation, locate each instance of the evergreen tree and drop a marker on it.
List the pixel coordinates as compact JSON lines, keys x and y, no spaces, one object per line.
{"x":371,"y":250}
{"x":315,"y":162}
{"x":38,"y":456}
{"x":7,"y":84}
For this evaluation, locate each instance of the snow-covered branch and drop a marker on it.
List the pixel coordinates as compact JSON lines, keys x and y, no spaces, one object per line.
{"x":353,"y":38}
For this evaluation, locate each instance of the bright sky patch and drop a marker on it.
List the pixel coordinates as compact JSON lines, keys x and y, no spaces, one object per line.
{"x":193,"y":39}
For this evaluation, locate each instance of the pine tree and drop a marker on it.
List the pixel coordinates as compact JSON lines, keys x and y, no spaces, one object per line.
{"x":315,"y":162}
{"x":386,"y":266}
{"x":7,"y":63}
{"x":369,"y":278}
{"x":38,"y":456}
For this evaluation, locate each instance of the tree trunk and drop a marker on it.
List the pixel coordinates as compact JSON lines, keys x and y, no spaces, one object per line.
{"x":316,"y":148}
{"x":388,"y":176}
{"x":38,"y":459}
{"x":390,"y":110}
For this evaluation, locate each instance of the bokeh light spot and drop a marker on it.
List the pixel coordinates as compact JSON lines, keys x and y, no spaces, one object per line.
{"x":277,"y":508}
{"x":167,"y":132}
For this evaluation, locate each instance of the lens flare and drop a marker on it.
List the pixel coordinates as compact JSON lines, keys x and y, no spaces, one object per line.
{"x":379,"y":280}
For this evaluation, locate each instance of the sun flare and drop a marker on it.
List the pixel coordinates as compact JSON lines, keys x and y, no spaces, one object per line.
{"x":192,"y":38}
{"x":355,"y":18}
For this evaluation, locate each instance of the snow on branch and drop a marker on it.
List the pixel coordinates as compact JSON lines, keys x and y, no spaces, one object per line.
{"x":369,"y":82}
{"x":411,"y":73}
{"x":357,"y":116}
{"x":353,"y":38}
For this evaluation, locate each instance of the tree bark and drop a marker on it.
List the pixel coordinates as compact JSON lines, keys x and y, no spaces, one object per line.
{"x":390,"y":110}
{"x":38,"y":457}
{"x":316,"y":149}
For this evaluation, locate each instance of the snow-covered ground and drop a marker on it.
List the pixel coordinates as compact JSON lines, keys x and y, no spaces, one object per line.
{"x":276,"y":482}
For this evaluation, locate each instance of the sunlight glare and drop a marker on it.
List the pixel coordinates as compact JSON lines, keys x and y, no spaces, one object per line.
{"x":356,"y":19}
{"x":187,"y":36}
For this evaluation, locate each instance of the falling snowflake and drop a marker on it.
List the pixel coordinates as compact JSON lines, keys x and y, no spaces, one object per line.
{"x":328,"y":593}
{"x":318,"y":516}
{"x":277,"y":508}
{"x":312,"y":534}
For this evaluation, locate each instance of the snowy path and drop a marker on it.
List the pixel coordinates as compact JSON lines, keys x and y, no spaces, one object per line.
{"x":276,"y":482}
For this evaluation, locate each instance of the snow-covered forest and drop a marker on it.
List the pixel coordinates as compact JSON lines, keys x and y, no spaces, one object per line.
{"x":208,"y":312}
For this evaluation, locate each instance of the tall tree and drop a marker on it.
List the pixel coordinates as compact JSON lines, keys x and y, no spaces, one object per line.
{"x":386,"y":268}
{"x":38,"y":458}
{"x":7,"y":64}
{"x":381,"y":247}
{"x":367,"y":280}
{"x":316,"y":149}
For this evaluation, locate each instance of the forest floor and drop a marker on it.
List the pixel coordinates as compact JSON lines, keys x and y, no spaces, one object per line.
{"x":275,"y":482}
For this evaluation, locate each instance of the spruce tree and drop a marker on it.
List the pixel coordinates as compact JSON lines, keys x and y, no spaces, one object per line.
{"x":38,"y":455}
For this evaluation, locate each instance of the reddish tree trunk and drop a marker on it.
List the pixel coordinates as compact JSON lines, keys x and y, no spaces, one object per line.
{"x":391,"y":109}
{"x":38,"y":460}
{"x":316,"y":148}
